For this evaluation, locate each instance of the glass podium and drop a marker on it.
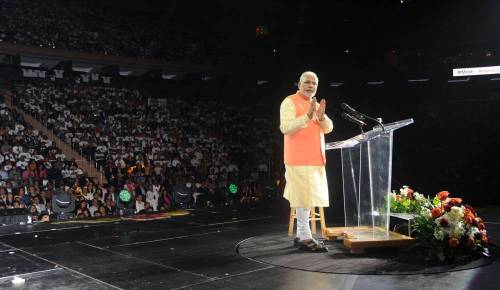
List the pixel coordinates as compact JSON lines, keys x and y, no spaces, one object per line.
{"x":366,"y":176}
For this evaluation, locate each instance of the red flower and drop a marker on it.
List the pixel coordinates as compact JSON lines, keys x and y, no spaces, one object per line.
{"x":484,"y":240}
{"x":469,"y":211}
{"x":480,"y":226}
{"x":455,"y":201}
{"x":443,"y":222}
{"x":468,"y":218}
{"x":467,"y":207}
{"x":398,"y":197}
{"x":447,"y":207}
{"x":453,"y":242}
{"x":443,"y":195}
{"x":409,"y":193}
{"x":436,"y":212}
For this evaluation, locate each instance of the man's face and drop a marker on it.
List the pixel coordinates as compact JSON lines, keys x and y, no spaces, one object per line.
{"x":309,"y":86}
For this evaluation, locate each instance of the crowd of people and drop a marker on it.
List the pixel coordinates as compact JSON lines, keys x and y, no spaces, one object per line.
{"x":97,"y":29}
{"x":29,"y":161}
{"x":171,"y":153}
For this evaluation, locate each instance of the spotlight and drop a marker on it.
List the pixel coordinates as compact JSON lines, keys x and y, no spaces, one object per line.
{"x":17,"y":280}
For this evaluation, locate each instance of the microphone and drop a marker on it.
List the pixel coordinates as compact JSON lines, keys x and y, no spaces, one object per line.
{"x":353,"y":119}
{"x":360,"y":116}
{"x":349,"y":109}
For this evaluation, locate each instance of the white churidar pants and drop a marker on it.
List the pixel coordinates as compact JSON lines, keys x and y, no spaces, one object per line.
{"x":303,"y":227}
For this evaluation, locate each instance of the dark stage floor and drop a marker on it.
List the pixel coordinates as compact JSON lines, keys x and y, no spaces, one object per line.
{"x":195,"y":251}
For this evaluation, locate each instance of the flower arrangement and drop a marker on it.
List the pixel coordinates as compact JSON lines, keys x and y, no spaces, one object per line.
{"x":443,"y":225}
{"x":407,"y":201}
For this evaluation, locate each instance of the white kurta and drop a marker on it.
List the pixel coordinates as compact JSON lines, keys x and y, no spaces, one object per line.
{"x":306,"y":186}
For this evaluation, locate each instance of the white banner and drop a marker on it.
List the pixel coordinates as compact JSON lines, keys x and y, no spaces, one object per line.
{"x":476,"y":71}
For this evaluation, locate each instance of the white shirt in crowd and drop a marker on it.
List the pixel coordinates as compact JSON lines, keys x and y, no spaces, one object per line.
{"x":152,"y":199}
{"x":139,"y":205}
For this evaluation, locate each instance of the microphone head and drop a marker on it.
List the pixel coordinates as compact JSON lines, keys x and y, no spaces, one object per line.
{"x":353,"y":112}
{"x":348,"y":108}
{"x":352,"y":119}
{"x":347,"y":117}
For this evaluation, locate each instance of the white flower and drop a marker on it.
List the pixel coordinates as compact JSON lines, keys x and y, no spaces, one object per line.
{"x":404,"y":191}
{"x":457,"y":230}
{"x":456,"y":213}
{"x":439,"y":234}
{"x":419,"y":197}
{"x":425,"y":212}
{"x":473,"y":231}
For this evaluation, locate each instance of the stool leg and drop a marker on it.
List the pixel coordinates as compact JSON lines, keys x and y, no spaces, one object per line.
{"x":291,"y":222}
{"x":312,"y":217}
{"x":322,"y":221}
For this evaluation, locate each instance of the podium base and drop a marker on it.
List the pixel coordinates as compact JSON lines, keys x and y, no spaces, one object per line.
{"x":357,"y":239}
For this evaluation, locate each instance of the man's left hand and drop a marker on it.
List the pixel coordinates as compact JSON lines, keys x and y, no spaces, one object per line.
{"x":320,"y":112}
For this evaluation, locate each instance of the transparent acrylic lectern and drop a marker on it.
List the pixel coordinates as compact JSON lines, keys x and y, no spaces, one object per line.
{"x":366,"y":177}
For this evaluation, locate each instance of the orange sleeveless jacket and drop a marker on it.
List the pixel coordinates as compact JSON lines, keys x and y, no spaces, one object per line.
{"x":306,"y":146}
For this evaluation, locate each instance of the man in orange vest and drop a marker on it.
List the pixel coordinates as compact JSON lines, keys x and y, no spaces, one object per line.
{"x":303,"y":123}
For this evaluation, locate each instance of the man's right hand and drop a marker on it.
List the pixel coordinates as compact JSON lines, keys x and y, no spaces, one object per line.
{"x":312,"y":108}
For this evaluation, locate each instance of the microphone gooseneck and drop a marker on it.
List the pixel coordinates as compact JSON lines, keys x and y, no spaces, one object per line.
{"x":360,"y":116}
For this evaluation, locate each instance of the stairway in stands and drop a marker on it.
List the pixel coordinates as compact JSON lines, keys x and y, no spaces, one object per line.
{"x":90,"y":169}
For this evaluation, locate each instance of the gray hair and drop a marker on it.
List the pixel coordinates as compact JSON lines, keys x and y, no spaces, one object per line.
{"x":307,"y":73}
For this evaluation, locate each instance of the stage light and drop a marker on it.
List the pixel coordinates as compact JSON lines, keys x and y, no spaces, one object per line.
{"x":375,"y":83}
{"x":17,"y":280}
{"x":31,"y":64}
{"x":459,"y":80}
{"x":418,"y":80}
{"x":82,"y":69}
{"x":168,"y":76}
{"x":233,"y":188}
{"x":125,"y":72}
{"x":125,"y":195}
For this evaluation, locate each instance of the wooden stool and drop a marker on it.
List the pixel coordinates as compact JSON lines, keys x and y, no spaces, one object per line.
{"x":313,"y":218}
